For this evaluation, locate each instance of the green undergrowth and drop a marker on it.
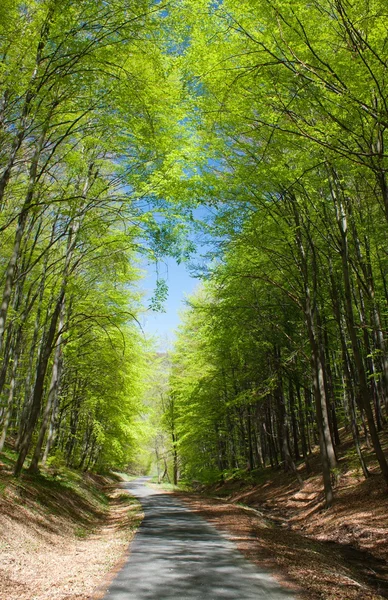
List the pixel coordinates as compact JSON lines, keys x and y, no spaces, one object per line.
{"x":182,"y":486}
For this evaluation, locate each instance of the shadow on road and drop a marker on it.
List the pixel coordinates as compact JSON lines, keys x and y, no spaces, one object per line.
{"x":177,"y":555}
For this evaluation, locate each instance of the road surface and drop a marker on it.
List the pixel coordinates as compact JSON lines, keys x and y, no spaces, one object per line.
{"x":177,"y":555}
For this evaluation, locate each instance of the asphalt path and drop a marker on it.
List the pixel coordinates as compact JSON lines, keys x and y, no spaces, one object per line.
{"x":177,"y":555}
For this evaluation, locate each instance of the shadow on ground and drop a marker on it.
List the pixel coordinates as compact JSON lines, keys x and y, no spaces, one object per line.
{"x":177,"y":555}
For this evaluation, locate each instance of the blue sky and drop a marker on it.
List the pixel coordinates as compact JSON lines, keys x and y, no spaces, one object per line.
{"x":180,"y":284}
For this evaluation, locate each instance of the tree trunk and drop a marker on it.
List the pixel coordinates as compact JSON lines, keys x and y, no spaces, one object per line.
{"x":9,"y":409}
{"x":53,"y":391}
{"x":363,"y":384}
{"x":39,"y":385}
{"x":294,"y":423}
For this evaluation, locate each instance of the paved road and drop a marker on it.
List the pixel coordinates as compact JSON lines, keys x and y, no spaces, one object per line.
{"x":177,"y":555}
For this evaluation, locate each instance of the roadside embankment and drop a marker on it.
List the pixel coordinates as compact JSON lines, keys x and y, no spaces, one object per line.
{"x":338,"y":553}
{"x":63,"y":534}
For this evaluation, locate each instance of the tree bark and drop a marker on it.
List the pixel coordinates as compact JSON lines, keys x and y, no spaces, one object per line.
{"x":53,"y":391}
{"x":39,"y":385}
{"x":363,"y":384}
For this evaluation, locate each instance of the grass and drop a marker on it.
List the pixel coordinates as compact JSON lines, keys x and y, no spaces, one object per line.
{"x":3,"y":488}
{"x":183,"y":486}
{"x":81,"y":532}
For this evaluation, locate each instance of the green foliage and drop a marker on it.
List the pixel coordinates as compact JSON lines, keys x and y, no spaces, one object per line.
{"x":92,"y":135}
{"x":159,"y":296}
{"x":289,"y":100}
{"x":56,"y":461}
{"x":117,"y":120}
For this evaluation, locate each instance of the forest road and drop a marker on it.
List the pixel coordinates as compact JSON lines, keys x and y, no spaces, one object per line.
{"x":177,"y":555}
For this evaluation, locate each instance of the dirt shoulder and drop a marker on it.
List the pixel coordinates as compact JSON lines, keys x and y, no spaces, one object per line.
{"x":358,"y":516}
{"x":338,"y":553}
{"x":314,"y":569}
{"x":62,"y":537}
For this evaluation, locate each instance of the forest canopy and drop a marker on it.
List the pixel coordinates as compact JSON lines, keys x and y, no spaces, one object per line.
{"x":286,"y":344}
{"x":117,"y":120}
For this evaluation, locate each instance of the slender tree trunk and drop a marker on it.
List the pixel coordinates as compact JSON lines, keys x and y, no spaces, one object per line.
{"x":9,"y":409}
{"x":250,"y":441}
{"x":325,"y":443}
{"x":53,"y":391}
{"x":289,"y":464}
{"x":35,"y":347}
{"x":363,"y":384}
{"x":20,"y":228}
{"x":294,"y":423}
{"x":175,"y":459}
{"x":52,"y":432}
{"x":74,"y":419}
{"x":302,"y":421}
{"x":372,"y":376}
{"x":38,"y":388}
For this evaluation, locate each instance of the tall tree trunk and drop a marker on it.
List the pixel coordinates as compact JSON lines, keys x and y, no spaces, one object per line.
{"x":289,"y":464}
{"x":175,"y":463}
{"x":20,"y":228}
{"x":363,"y":384}
{"x":250,"y":440}
{"x":39,"y":385}
{"x":9,"y":409}
{"x":302,"y":421}
{"x":328,"y":458}
{"x":294,"y":423}
{"x":35,"y":347}
{"x":53,"y":391}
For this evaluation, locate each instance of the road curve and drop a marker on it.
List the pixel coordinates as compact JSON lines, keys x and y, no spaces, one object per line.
{"x":177,"y":555}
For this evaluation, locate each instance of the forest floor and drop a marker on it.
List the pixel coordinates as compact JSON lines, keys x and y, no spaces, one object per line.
{"x":332,"y":554}
{"x":63,"y":536}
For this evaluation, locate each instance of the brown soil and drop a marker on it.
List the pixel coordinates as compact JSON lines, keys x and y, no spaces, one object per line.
{"x":314,"y":569}
{"x":61,"y":541}
{"x":333,"y":554}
